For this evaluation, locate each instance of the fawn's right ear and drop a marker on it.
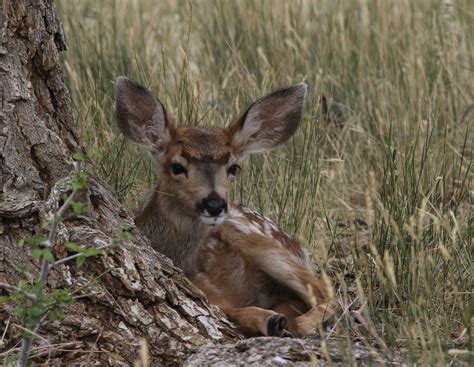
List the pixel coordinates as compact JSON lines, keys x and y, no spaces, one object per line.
{"x":141,"y":117}
{"x":269,"y":122}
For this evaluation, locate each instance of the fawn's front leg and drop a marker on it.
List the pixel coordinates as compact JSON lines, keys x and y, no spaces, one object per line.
{"x":301,"y":323}
{"x":251,"y":320}
{"x":256,"y":320}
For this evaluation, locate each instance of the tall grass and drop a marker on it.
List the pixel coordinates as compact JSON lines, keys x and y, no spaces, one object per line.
{"x":382,"y":196}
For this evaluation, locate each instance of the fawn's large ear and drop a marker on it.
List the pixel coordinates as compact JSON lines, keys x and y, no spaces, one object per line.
{"x":141,"y":117}
{"x":269,"y":121}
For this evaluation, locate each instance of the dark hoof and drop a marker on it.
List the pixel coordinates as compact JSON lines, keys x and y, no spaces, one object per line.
{"x":287,"y":334}
{"x":276,"y":324}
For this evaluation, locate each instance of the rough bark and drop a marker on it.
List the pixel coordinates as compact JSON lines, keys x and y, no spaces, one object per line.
{"x":287,"y":352}
{"x":132,"y":293}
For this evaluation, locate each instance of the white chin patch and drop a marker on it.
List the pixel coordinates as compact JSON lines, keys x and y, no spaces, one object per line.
{"x":212,"y":221}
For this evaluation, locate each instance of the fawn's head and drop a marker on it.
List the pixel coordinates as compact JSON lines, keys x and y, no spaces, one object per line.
{"x":198,"y":165}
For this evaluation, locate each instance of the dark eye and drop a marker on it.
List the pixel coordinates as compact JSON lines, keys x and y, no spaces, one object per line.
{"x":232,"y":170}
{"x":177,"y":169}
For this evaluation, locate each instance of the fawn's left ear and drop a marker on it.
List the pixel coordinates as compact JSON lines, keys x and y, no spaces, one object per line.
{"x":269,"y":122}
{"x":141,"y":117}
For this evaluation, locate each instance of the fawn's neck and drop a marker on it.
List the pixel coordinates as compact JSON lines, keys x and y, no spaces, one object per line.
{"x":171,"y":231}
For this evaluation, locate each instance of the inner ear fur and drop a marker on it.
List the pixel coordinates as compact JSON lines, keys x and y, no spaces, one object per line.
{"x":140,"y":116}
{"x":268,"y":122}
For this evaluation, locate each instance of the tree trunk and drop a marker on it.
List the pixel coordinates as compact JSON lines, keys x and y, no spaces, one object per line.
{"x":132,"y":293}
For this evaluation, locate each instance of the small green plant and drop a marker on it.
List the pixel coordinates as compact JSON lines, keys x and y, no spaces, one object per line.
{"x":32,"y":302}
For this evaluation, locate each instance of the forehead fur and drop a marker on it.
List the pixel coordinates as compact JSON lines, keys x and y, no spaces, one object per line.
{"x":203,"y":144}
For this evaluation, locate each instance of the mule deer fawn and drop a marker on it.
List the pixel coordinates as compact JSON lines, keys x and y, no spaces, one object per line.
{"x":259,"y":276}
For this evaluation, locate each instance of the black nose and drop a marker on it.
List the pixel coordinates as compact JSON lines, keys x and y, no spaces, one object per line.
{"x":214,"y":205}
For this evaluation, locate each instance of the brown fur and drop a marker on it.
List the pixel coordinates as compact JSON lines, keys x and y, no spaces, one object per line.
{"x":257,"y":274}
{"x":203,"y":144}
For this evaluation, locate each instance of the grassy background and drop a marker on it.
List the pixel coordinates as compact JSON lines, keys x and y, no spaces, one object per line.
{"x":379,"y":189}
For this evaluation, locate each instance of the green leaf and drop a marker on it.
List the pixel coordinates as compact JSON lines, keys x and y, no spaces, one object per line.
{"x":34,"y":240}
{"x":23,"y":267}
{"x":80,"y":260}
{"x":56,"y":314}
{"x":94,"y":154}
{"x":77,"y":207}
{"x":46,"y":224}
{"x":93,"y":251}
{"x":21,"y":243}
{"x":35,"y":310}
{"x":79,"y":156}
{"x":124,"y":234}
{"x":79,"y":181}
{"x":4,"y":299}
{"x":53,"y":315}
{"x":48,"y":255}
{"x":36,"y":285}
{"x":11,"y":359}
{"x":20,"y":310}
{"x":37,"y":252}
{"x":30,"y":324}
{"x":61,"y":296}
{"x":74,"y":247}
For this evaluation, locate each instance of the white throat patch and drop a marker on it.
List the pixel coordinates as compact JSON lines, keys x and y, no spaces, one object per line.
{"x":212,"y":221}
